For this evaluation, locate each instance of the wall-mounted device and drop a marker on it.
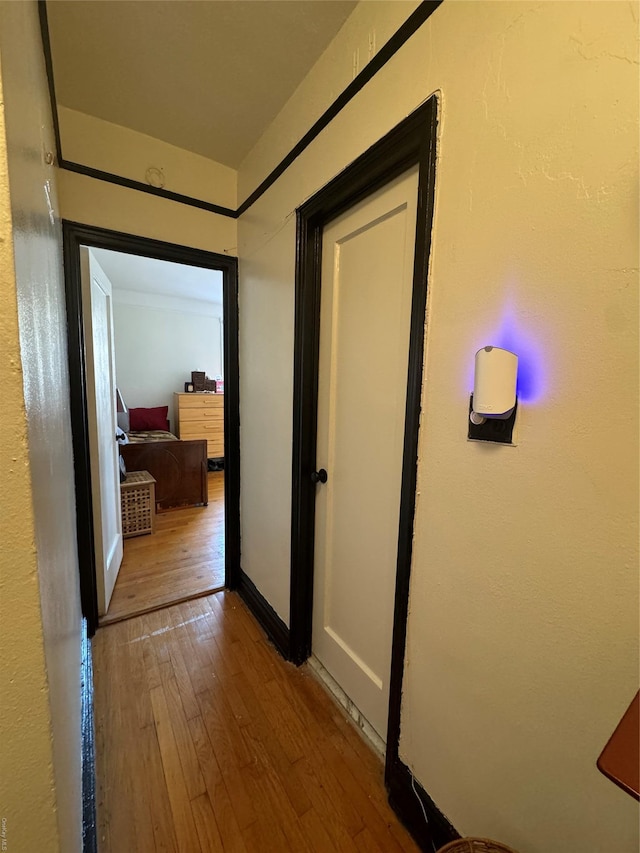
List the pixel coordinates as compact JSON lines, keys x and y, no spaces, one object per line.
{"x":492,"y":408}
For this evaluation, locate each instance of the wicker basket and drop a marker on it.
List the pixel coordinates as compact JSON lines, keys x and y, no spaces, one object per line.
{"x":476,"y":845}
{"x":137,"y":501}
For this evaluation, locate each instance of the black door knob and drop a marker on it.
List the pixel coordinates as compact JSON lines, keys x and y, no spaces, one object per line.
{"x":319,"y":476}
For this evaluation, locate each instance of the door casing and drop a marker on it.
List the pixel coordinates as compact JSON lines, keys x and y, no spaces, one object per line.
{"x":412,"y":141}
{"x":75,"y":235}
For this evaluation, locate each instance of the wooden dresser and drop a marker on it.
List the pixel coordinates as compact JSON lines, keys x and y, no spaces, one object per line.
{"x":201,"y":416}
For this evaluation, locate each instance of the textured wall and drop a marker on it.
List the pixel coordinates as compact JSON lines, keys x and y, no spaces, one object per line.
{"x":26,"y":772}
{"x":40,"y":623}
{"x":115,"y":149}
{"x":266,"y":236}
{"x":103,"y":145}
{"x":522,"y":635}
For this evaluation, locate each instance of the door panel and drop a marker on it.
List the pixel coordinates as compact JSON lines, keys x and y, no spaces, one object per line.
{"x":102,"y":416}
{"x":367,"y":275}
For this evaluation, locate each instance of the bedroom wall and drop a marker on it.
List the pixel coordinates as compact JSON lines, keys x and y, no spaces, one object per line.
{"x":159,"y":340}
{"x":523,"y":635}
{"x":107,"y":146}
{"x":40,"y":619}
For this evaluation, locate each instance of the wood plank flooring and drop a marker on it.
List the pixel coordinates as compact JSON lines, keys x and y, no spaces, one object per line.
{"x":182,"y":559}
{"x":208,"y":742}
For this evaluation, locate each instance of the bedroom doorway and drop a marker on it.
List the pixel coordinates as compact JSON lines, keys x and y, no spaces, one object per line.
{"x":167,"y":321}
{"x":174,"y":312}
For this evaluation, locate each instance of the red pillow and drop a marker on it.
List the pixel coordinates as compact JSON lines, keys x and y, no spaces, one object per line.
{"x":141,"y":420}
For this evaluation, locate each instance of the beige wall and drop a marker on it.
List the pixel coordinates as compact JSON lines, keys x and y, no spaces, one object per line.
{"x":39,"y":597}
{"x":331,"y":74}
{"x":522,"y":636}
{"x":103,"y":145}
{"x":105,"y":205}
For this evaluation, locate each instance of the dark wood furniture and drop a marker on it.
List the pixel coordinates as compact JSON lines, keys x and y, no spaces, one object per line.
{"x":620,"y":759}
{"x":178,"y":467}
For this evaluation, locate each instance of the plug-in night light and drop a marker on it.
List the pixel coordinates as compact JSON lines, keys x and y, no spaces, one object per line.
{"x":494,"y":386}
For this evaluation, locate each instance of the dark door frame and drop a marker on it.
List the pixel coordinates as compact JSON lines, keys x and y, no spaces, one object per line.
{"x":412,"y":142}
{"x":75,"y":235}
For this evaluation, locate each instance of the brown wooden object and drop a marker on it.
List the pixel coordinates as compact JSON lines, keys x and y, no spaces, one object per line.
{"x":620,"y":759}
{"x":201,"y":416}
{"x":178,"y":467}
{"x":197,"y":379}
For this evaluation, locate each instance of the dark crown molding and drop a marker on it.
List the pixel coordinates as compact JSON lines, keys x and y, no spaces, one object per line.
{"x":386,"y":52}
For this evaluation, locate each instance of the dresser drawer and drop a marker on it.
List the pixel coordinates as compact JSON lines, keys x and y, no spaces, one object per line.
{"x":201,"y":414}
{"x":201,"y":401}
{"x":209,"y":428}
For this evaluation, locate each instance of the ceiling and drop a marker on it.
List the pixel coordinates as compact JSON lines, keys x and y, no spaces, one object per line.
{"x":148,"y":275}
{"x":205,"y":75}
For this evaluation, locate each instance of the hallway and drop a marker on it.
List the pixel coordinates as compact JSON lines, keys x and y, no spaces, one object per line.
{"x":208,"y":741}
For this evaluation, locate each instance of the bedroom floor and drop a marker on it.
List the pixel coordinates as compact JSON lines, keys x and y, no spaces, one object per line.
{"x":182,"y":559}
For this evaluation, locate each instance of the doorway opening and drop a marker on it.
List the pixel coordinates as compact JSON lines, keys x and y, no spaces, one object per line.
{"x":167,"y":320}
{"x":411,"y":143}
{"x":178,"y":497}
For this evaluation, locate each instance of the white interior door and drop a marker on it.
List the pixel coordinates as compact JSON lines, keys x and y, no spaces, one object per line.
{"x":103,"y":449}
{"x":367,"y":273}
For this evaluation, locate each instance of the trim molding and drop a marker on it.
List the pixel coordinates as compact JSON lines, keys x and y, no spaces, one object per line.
{"x":48,"y":63}
{"x":413,"y":23}
{"x":88,"y":750}
{"x":75,"y":235}
{"x":110,"y":178}
{"x":80,"y":437}
{"x":412,"y":142}
{"x":386,"y":52}
{"x":406,"y":795}
{"x":271,"y":623}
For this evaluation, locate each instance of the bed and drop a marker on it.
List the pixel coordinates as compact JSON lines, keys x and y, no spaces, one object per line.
{"x":178,"y":467}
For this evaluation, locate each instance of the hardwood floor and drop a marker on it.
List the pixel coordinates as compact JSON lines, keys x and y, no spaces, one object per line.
{"x":207,"y":741}
{"x":184,"y":558}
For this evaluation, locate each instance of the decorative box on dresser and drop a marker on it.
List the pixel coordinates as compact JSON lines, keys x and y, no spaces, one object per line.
{"x":201,"y":416}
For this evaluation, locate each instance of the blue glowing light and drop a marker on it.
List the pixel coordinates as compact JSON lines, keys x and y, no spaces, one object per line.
{"x":511,"y":335}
